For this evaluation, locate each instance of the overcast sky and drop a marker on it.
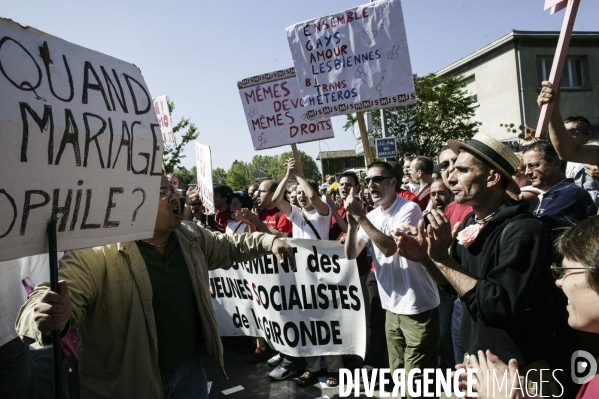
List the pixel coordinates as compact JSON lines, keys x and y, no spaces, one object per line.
{"x":195,"y":51}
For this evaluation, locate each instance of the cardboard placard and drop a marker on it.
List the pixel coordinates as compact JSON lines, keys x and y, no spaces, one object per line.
{"x":79,"y":141}
{"x":204,"y":166}
{"x":164,"y":120}
{"x":275,"y":112}
{"x":355,"y":60}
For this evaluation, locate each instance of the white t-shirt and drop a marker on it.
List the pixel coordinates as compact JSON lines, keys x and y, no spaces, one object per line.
{"x":301,"y":229}
{"x":404,"y":286}
{"x":33,"y":269}
{"x":234,"y":227}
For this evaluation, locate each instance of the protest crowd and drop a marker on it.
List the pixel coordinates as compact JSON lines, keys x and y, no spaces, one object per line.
{"x":478,"y":260}
{"x":463,"y":260}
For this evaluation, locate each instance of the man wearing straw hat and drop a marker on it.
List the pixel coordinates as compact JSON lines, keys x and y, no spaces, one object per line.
{"x":499,"y":264}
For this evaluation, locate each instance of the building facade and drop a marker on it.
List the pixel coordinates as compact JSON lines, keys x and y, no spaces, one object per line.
{"x":505,"y":79}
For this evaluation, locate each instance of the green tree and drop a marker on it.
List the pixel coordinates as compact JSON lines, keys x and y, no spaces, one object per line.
{"x":259,"y":166}
{"x":443,"y":112}
{"x":239,"y":176}
{"x":219,"y":176}
{"x":173,"y":156}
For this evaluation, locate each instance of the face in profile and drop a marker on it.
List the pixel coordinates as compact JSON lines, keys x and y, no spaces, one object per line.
{"x":583,"y":300}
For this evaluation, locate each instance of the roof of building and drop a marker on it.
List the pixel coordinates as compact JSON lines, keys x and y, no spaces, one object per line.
{"x":511,"y":36}
{"x":336,"y":154}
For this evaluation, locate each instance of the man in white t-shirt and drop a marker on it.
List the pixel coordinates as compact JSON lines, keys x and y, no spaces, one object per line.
{"x":311,"y":221}
{"x":407,"y":293}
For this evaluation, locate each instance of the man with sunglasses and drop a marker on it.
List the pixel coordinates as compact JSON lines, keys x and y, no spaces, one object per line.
{"x":407,"y":293}
{"x":143,"y":307}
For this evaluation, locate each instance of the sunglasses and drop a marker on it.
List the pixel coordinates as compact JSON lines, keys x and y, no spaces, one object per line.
{"x":560,"y":272}
{"x":574,"y":131}
{"x":376,"y":179}
{"x":195,"y":204}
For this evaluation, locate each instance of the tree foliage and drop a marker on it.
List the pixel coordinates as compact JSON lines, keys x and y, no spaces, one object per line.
{"x":443,"y":112}
{"x":173,"y":156}
{"x":239,"y":176}
{"x":219,"y":176}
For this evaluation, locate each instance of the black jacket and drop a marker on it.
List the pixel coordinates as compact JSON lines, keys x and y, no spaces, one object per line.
{"x":509,"y":311}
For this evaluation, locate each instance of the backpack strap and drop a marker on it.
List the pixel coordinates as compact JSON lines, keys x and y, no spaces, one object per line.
{"x":311,"y":226}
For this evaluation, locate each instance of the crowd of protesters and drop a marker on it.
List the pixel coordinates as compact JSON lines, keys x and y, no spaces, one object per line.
{"x":463,"y":260}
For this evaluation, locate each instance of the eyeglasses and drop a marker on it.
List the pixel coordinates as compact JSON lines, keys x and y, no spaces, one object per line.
{"x":574,"y":131}
{"x":165,"y":193}
{"x":559,"y":272}
{"x":376,"y":179}
{"x":445,"y":165}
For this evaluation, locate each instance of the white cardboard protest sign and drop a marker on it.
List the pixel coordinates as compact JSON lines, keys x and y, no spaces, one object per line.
{"x":318,"y":310}
{"x":356,"y":60}
{"x":164,"y":120}
{"x":79,"y":141}
{"x":204,"y":166}
{"x":275,"y":112}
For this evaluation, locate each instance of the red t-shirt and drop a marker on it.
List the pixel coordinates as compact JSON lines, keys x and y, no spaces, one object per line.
{"x":269,"y":217}
{"x":408,"y":195}
{"x":423,"y":197}
{"x":456,"y":212}
{"x":590,"y":389}
{"x":221,"y":219}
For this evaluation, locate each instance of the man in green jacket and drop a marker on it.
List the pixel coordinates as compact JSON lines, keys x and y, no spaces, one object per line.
{"x":143,"y":308}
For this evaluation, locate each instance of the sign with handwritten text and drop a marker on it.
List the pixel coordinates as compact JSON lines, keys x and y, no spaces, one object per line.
{"x":164,"y":120}
{"x":355,"y":60}
{"x":80,"y":141}
{"x":275,"y":111}
{"x":204,"y":176}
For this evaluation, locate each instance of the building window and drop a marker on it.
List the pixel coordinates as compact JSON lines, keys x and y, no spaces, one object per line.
{"x":572,"y":75}
{"x":470,"y":87}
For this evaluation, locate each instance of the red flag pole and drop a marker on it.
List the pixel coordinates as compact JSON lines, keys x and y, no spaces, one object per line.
{"x":558,"y":62}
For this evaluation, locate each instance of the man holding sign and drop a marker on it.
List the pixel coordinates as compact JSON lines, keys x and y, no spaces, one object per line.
{"x":143,"y":308}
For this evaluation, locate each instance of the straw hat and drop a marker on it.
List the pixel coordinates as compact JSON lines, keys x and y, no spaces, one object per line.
{"x":494,"y":152}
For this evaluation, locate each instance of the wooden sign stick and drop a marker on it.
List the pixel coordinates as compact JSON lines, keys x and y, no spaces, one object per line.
{"x":558,"y":63}
{"x":297,"y":159}
{"x":364,"y":137}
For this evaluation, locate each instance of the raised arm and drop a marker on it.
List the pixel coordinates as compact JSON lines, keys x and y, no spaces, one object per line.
{"x":279,"y":196}
{"x":353,"y":246}
{"x":566,"y":146}
{"x":386,"y":244}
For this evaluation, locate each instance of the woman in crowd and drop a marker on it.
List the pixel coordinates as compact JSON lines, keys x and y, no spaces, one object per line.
{"x":194,"y":209}
{"x":237,"y":226}
{"x":578,"y":277}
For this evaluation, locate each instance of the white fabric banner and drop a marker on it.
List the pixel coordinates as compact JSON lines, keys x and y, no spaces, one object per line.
{"x":204,"y":167}
{"x":79,"y":141}
{"x":275,"y":112}
{"x":164,"y":120}
{"x":356,"y":60}
{"x":317,"y":310}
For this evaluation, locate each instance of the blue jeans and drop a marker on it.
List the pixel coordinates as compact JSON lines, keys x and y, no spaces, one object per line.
{"x":43,"y":362}
{"x":17,"y":376}
{"x":446,"y":355}
{"x":188,"y":381}
{"x":458,"y":350}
